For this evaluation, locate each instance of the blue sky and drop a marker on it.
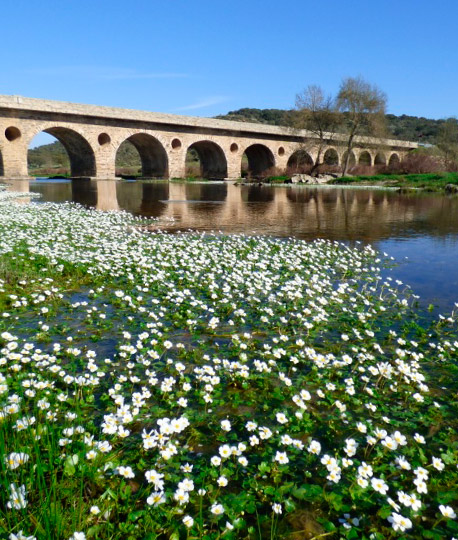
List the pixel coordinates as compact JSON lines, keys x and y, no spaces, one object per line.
{"x":208,"y":57}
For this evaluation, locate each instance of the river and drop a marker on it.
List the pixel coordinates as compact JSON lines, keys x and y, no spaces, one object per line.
{"x":420,"y":230}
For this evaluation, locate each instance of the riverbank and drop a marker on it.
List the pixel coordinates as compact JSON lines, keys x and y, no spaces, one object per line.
{"x":427,"y":182}
{"x":431,"y":182}
{"x":215,"y":386}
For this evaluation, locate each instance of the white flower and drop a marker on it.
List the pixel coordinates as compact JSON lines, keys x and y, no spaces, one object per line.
{"x":281,"y":418}
{"x":15,"y":459}
{"x":421,"y":485}
{"x":126,"y":472}
{"x":225,"y":425}
{"x":365,"y":470}
{"x":447,"y":511}
{"x":362,"y":482}
{"x":222,"y":481}
{"x":156,"y":498}
{"x":225,"y":451}
{"x":217,"y":509}
{"x":181,"y":496}
{"x":77,"y":536}
{"x":399,"y":523}
{"x":188,"y":521}
{"x":438,"y":464}
{"x":20,"y":536}
{"x":17,"y":497}
{"x":186,"y":485}
{"x":281,"y":457}
{"x":277,"y":508}
{"x":314,"y":447}
{"x":379,"y":485}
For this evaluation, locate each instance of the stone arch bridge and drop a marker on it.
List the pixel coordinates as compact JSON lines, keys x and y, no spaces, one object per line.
{"x":92,"y":136}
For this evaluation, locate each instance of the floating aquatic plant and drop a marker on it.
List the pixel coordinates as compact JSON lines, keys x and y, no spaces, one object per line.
{"x":210,"y":386}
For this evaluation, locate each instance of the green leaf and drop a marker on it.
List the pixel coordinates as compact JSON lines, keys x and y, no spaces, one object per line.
{"x":385,"y":511}
{"x":70,"y":465}
{"x":289,"y":505}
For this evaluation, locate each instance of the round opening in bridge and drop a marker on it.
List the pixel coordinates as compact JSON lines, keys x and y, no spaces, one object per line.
{"x":281,"y":151}
{"x":176,"y":143}
{"x":12,"y":133}
{"x":104,"y":139}
{"x":234,"y":147}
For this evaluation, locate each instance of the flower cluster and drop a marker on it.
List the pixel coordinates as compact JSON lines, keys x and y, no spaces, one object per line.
{"x":214,"y":385}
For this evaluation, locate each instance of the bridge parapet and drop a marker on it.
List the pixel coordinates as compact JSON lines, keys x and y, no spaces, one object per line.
{"x":93,"y":134}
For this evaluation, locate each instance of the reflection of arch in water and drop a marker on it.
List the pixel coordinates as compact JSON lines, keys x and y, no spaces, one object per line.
{"x":257,"y":194}
{"x":152,"y":155}
{"x":152,"y":195}
{"x":213,"y":164}
{"x":2,"y":172}
{"x":329,"y":196}
{"x":365,"y":159}
{"x":331,"y":157}
{"x":380,"y":159}
{"x":300,"y":162}
{"x":84,"y":192}
{"x":303,"y":195}
{"x":206,"y":192}
{"x":79,"y":151}
{"x":129,"y":195}
{"x":394,"y":160}
{"x":58,"y":192}
{"x":260,"y":159}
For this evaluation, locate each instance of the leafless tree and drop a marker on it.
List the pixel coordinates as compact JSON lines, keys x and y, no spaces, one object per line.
{"x":317,"y":113}
{"x":363,"y":108}
{"x":447,"y":143}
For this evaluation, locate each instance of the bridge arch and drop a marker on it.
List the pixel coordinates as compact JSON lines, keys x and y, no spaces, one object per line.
{"x":365,"y":158}
{"x":380,"y":159}
{"x":153,"y":156}
{"x":331,"y":157}
{"x":260,"y":159}
{"x":213,"y":163}
{"x":299,"y":161}
{"x":394,"y":160}
{"x":80,"y":152}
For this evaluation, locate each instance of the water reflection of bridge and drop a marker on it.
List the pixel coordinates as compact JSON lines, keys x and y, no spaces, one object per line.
{"x":294,"y":210}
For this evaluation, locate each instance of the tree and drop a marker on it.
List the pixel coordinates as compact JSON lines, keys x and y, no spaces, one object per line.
{"x":363,"y":110}
{"x":317,"y":113}
{"x":447,"y":142}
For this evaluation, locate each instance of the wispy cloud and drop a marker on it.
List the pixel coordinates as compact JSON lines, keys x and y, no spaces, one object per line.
{"x":102,"y":73}
{"x":204,"y":102}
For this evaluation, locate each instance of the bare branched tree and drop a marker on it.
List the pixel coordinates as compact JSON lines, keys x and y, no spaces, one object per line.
{"x":317,"y":113}
{"x":447,"y":142}
{"x":363,"y":108}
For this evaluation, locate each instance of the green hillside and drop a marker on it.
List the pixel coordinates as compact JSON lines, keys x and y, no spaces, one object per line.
{"x":54,"y":156}
{"x":408,"y":128}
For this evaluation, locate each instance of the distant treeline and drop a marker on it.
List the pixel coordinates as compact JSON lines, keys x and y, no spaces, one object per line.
{"x":408,"y":128}
{"x":54,"y":156}
{"x":411,"y":128}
